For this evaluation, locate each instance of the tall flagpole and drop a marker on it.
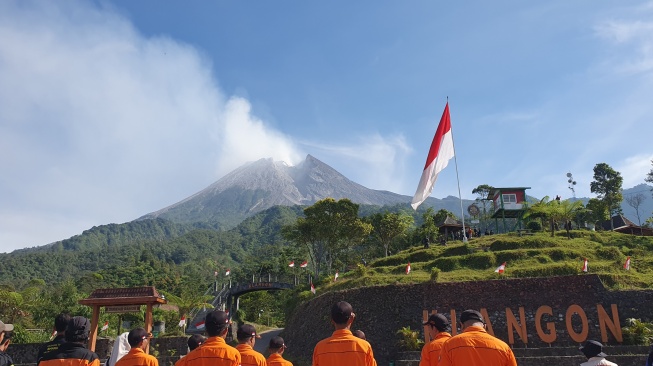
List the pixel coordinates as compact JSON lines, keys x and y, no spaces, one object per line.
{"x":455,"y":159}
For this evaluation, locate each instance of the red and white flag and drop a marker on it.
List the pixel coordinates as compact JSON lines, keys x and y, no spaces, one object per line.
{"x":200,"y":325}
{"x":228,"y":272}
{"x":105,"y":326}
{"x":408,"y":268}
{"x":312,"y":288}
{"x":440,"y":153}
{"x":291,"y":264}
{"x":54,"y":334}
{"x":585,"y":265}
{"x":501,"y":268}
{"x":304,"y":264}
{"x":182,"y":321}
{"x":335,"y":278}
{"x":627,"y":264}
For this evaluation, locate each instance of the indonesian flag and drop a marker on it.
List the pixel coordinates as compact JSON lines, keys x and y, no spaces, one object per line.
{"x":105,"y":326}
{"x":291,"y":264}
{"x":501,"y":268}
{"x":304,"y":264}
{"x":440,"y":153}
{"x":182,"y":321}
{"x":627,"y":264}
{"x":200,"y":325}
{"x":54,"y":334}
{"x":228,"y":272}
{"x":585,"y":265}
{"x":408,"y":268}
{"x":312,"y":288}
{"x":335,"y":278}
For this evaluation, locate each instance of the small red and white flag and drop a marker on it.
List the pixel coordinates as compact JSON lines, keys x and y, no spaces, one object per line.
{"x":335,"y":278}
{"x":105,"y":326}
{"x":312,"y":288}
{"x":200,"y":325}
{"x":408,"y":268}
{"x":228,"y":272}
{"x":304,"y":264}
{"x":585,"y":265}
{"x":291,"y":264}
{"x":440,"y":153}
{"x":182,"y":321}
{"x":501,"y":268}
{"x":627,"y":264}
{"x":54,"y":334}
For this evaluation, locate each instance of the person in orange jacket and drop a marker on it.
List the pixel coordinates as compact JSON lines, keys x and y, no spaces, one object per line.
{"x":247,"y":337}
{"x":215,"y":351}
{"x":438,"y":327}
{"x":74,"y":351}
{"x":343,"y":348}
{"x":138,"y":339}
{"x":474,"y":346}
{"x":276,"y":348}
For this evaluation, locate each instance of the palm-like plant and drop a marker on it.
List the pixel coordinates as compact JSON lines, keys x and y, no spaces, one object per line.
{"x":554,"y":211}
{"x":188,"y":300}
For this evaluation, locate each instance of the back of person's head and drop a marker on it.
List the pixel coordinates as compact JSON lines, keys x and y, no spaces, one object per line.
{"x":195,"y":341}
{"x":341,"y":312}
{"x":246,"y":332}
{"x":439,"y":322}
{"x":277,"y":344}
{"x":470,"y":316}
{"x":61,"y":322}
{"x":216,"y":322}
{"x":592,"y":348}
{"x":78,"y":329}
{"x":359,"y":333}
{"x":137,"y":336}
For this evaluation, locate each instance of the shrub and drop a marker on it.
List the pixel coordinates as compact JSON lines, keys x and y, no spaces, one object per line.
{"x":546,"y":270}
{"x":480,"y":260}
{"x":446,"y":264}
{"x":609,"y":253}
{"x":435,"y":273}
{"x":409,"y":340}
{"x":456,"y":250}
{"x":422,"y":256}
{"x":534,"y":226}
{"x":637,"y":332}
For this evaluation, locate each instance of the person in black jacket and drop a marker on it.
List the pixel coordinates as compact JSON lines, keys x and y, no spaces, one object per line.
{"x":73,"y":352}
{"x":5,"y":330}
{"x":60,"y":325}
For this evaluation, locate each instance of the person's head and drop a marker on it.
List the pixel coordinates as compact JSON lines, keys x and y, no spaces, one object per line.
{"x":470,"y":318}
{"x":61,"y":322}
{"x":592,"y":349}
{"x":78,"y":329}
{"x":246,"y":333}
{"x":437,"y":323}
{"x":4,"y":330}
{"x":342,"y":315}
{"x":217,"y":323}
{"x":195,"y":341}
{"x":359,"y":333}
{"x":137,"y":338}
{"x":277,"y":345}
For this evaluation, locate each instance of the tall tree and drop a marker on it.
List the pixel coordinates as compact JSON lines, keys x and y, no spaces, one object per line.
{"x":482,"y":191}
{"x":634,"y":201}
{"x":388,"y":226}
{"x":598,"y":210}
{"x":607,"y":186}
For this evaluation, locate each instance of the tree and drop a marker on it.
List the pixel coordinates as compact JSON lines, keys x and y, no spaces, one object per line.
{"x":649,"y":176}
{"x":329,"y":230}
{"x":188,"y":300}
{"x":387,"y":226}
{"x":634,"y":201}
{"x":555,"y":211}
{"x":482,"y":191}
{"x":607,"y":186}
{"x":598,"y":210}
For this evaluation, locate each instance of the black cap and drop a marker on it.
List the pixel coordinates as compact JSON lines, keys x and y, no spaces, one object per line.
{"x":276,"y":343}
{"x":195,"y":341}
{"x":341,"y":312}
{"x":215,"y":322}
{"x":439,"y":321}
{"x":471,"y":315}
{"x":78,"y":329}
{"x":592,"y":349}
{"x":246,"y":331}
{"x":136,"y":336}
{"x":61,"y":322}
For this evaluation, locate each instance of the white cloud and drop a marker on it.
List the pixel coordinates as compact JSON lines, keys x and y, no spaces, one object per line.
{"x":633,"y":35}
{"x":634,"y":169}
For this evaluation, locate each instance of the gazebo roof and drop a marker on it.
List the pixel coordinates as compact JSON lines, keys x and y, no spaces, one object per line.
{"x":124,"y":296}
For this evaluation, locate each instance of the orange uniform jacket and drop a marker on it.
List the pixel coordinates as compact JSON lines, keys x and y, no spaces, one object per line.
{"x":249,"y":357}
{"x":431,"y":350}
{"x":474,"y":347}
{"x":343,"y":348}
{"x":275,"y":359}
{"x":136,"y":357}
{"x":70,"y":354}
{"x":214,"y":352}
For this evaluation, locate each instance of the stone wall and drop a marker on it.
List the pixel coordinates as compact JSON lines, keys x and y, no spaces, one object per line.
{"x":382,"y":310}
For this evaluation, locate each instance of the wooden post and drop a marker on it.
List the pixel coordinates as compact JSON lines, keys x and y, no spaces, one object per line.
{"x":148,"y":324}
{"x":94,"y":327}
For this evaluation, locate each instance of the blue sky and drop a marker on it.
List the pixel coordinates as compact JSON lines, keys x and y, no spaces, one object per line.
{"x":113,"y":109}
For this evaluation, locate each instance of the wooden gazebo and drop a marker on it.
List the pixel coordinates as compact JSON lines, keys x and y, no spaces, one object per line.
{"x":118,"y":299}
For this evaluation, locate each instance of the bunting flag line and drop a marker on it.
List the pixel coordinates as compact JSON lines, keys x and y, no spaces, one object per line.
{"x":408,"y":268}
{"x":105,"y":326}
{"x":440,"y":153}
{"x":182,"y":321}
{"x":228,"y":272}
{"x":335,"y":278}
{"x":585,"y":265}
{"x":312,"y":288}
{"x":304,"y":264}
{"x":200,"y":325}
{"x":627,"y":264}
{"x":501,"y":268}
{"x":291,"y":264}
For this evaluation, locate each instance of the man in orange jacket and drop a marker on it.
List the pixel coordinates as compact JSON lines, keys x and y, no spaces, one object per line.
{"x":215,"y":351}
{"x":247,"y":337}
{"x":474,"y":346}
{"x":343,"y":348}
{"x":73,"y":352}
{"x":437,"y":326}
{"x":276,"y":348}
{"x":137,"y":339}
